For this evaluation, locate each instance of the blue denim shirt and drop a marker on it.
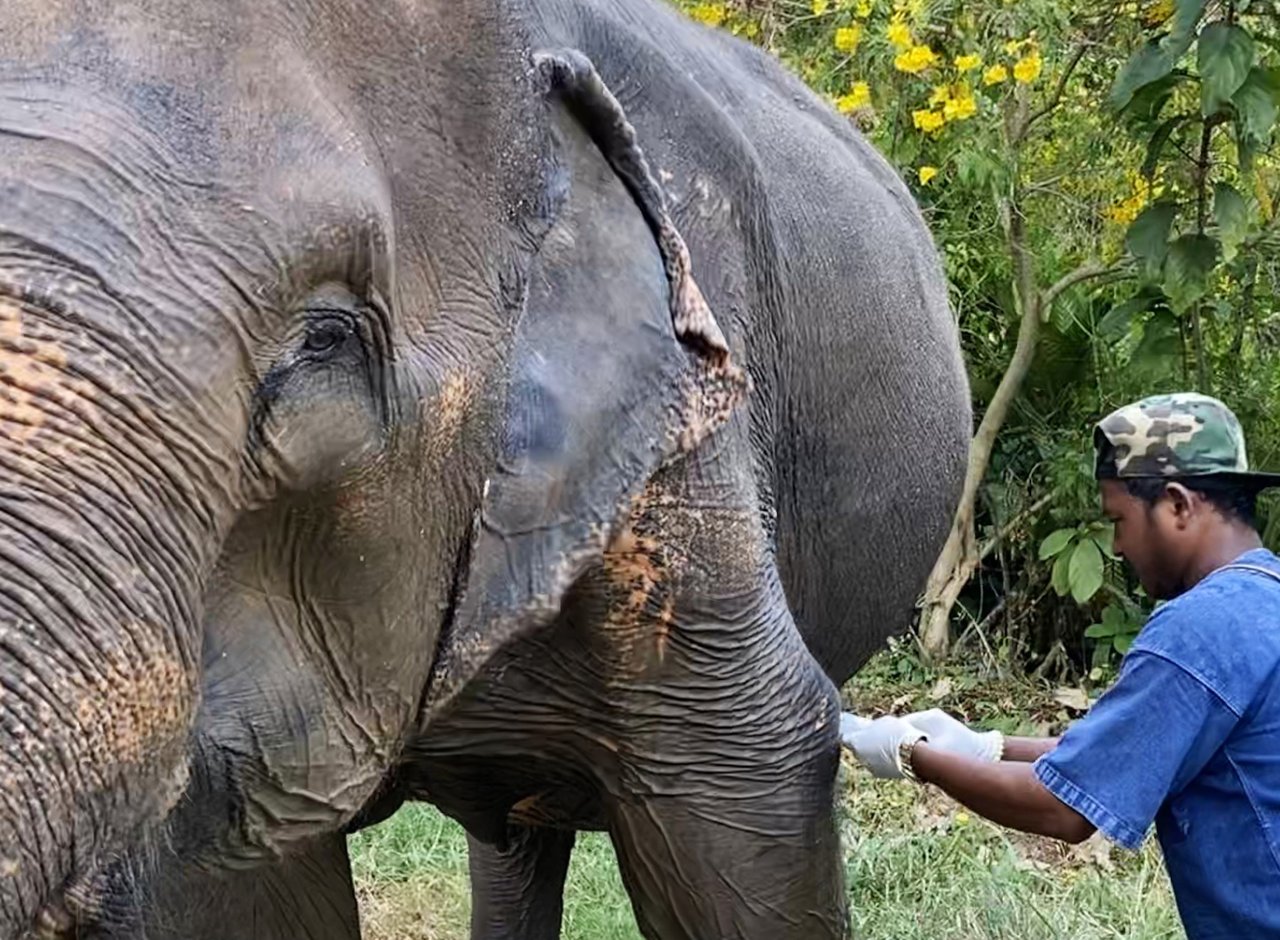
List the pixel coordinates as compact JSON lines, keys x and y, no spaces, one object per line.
{"x":1189,"y":736}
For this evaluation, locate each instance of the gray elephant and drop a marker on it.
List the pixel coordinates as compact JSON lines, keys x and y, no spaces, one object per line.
{"x":367,"y":437}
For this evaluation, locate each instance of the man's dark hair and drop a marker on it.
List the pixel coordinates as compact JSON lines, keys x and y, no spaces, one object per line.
{"x":1232,"y":498}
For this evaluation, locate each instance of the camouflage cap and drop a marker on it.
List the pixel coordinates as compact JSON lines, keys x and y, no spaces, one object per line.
{"x":1169,"y":436}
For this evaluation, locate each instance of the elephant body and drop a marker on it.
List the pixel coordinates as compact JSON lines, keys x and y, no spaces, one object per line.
{"x":535,"y":408}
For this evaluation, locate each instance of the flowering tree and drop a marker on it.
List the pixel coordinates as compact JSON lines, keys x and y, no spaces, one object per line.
{"x":1122,"y":147}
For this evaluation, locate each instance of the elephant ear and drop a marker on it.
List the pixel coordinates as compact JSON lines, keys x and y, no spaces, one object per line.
{"x":618,"y":367}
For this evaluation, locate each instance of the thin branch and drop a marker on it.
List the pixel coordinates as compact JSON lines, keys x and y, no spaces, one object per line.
{"x":1088,"y":271}
{"x":1061,"y":88}
{"x":1003,"y":532}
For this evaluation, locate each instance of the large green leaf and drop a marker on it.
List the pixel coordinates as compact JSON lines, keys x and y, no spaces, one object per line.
{"x":1118,"y":318}
{"x":1186,"y":17}
{"x":1151,"y":63}
{"x":1148,"y":101}
{"x":1097,"y":631}
{"x":1123,"y":643}
{"x":1226,"y":55}
{"x":1231,"y":213}
{"x":1055,"y":542}
{"x":1186,"y":269}
{"x":1105,"y":537}
{"x":1061,"y":579}
{"x":1156,"y":145}
{"x":1148,"y":236}
{"x":1255,"y":112}
{"x":1159,"y":347}
{"x":1085,"y":573}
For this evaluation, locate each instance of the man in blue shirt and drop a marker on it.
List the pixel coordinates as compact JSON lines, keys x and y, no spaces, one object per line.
{"x":1189,"y":735}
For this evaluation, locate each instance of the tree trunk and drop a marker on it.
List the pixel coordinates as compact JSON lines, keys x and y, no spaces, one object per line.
{"x":959,"y":557}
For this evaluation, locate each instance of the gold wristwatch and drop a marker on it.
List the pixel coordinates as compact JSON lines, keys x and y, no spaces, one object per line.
{"x":905,"y":747}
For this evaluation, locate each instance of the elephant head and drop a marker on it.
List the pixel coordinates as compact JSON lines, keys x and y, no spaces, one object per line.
{"x":303,"y":384}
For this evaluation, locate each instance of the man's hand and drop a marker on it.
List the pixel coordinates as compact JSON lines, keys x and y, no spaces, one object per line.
{"x":947,"y":734}
{"x":878,"y":744}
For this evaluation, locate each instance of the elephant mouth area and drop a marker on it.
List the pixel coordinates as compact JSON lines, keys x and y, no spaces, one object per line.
{"x":57,"y":922}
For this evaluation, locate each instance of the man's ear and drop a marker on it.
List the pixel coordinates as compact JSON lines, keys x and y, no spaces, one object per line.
{"x":1183,"y":505}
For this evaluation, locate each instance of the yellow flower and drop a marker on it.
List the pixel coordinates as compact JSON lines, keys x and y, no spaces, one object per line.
{"x":967,"y":63}
{"x":941,"y":95}
{"x":1027,"y":69}
{"x":863,"y":9}
{"x":927,"y":121}
{"x":899,"y":34}
{"x":820,"y":7}
{"x":858,"y":96}
{"x":847,"y":38}
{"x":962,"y":818}
{"x":1013,"y":46}
{"x":915,"y":60}
{"x":995,"y":75}
{"x":927,"y":173}
{"x":960,"y":106}
{"x":1157,"y":13}
{"x":712,"y":14}
{"x":1263,"y":195}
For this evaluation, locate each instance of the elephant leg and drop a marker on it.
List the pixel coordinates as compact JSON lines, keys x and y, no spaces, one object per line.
{"x":723,"y":809}
{"x":307,"y":895}
{"x":738,"y":854}
{"x":517,"y":892}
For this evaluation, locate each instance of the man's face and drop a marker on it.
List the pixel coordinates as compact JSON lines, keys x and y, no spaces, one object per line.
{"x":1152,"y":538}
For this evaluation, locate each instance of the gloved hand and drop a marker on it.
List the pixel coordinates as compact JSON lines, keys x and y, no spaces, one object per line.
{"x":947,"y":734}
{"x":878,"y":744}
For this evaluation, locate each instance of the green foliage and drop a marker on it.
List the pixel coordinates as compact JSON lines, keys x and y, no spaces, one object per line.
{"x":1113,"y":635}
{"x":1138,"y":134}
{"x":1077,"y":556}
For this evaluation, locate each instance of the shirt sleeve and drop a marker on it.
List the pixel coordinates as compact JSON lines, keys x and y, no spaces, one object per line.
{"x":1143,"y":741}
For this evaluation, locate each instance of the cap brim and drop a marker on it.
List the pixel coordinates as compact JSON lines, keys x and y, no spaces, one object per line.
{"x":1255,"y":478}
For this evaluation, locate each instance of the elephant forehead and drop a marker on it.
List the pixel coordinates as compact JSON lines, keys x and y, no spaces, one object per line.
{"x":205,"y":132}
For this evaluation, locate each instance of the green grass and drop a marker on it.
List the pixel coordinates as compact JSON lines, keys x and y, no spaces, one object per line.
{"x":918,"y":866}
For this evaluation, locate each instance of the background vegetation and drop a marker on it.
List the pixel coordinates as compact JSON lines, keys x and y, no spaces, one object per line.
{"x":1100,"y":179}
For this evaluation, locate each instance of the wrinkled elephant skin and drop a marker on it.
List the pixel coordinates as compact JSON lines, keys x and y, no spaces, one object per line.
{"x":536,"y":408}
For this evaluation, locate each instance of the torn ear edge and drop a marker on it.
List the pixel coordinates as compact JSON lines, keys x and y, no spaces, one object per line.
{"x":702,"y":396}
{"x":570,"y":76}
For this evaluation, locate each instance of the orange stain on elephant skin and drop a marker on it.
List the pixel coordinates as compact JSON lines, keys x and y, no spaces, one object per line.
{"x":32,"y":372}
{"x":444,"y":413}
{"x":130,"y":709}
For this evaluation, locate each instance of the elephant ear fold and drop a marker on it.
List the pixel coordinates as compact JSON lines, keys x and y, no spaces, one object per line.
{"x":618,"y":367}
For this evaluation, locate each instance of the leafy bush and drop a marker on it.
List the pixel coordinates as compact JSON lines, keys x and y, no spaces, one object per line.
{"x":1105,"y":172}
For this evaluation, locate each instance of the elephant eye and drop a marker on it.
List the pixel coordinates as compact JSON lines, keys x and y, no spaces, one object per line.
{"x":326,"y":335}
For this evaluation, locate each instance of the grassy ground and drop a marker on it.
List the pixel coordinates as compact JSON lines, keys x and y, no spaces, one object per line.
{"x":917,"y":865}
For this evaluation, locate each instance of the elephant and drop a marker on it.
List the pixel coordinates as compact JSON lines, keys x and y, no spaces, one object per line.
{"x":533,"y":407}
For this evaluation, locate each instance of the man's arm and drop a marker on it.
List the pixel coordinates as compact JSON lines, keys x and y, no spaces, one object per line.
{"x":1007,"y":792}
{"x":1026,"y":750}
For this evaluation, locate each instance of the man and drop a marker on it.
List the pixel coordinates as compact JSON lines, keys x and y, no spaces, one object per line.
{"x":1189,"y":735}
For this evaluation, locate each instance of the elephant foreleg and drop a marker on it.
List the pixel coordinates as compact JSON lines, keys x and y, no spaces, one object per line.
{"x":735,"y":851}
{"x":517,"y":892}
{"x":307,"y":895}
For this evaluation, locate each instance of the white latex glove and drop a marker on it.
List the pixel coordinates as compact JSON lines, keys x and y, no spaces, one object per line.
{"x":948,"y":734}
{"x":877,"y":744}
